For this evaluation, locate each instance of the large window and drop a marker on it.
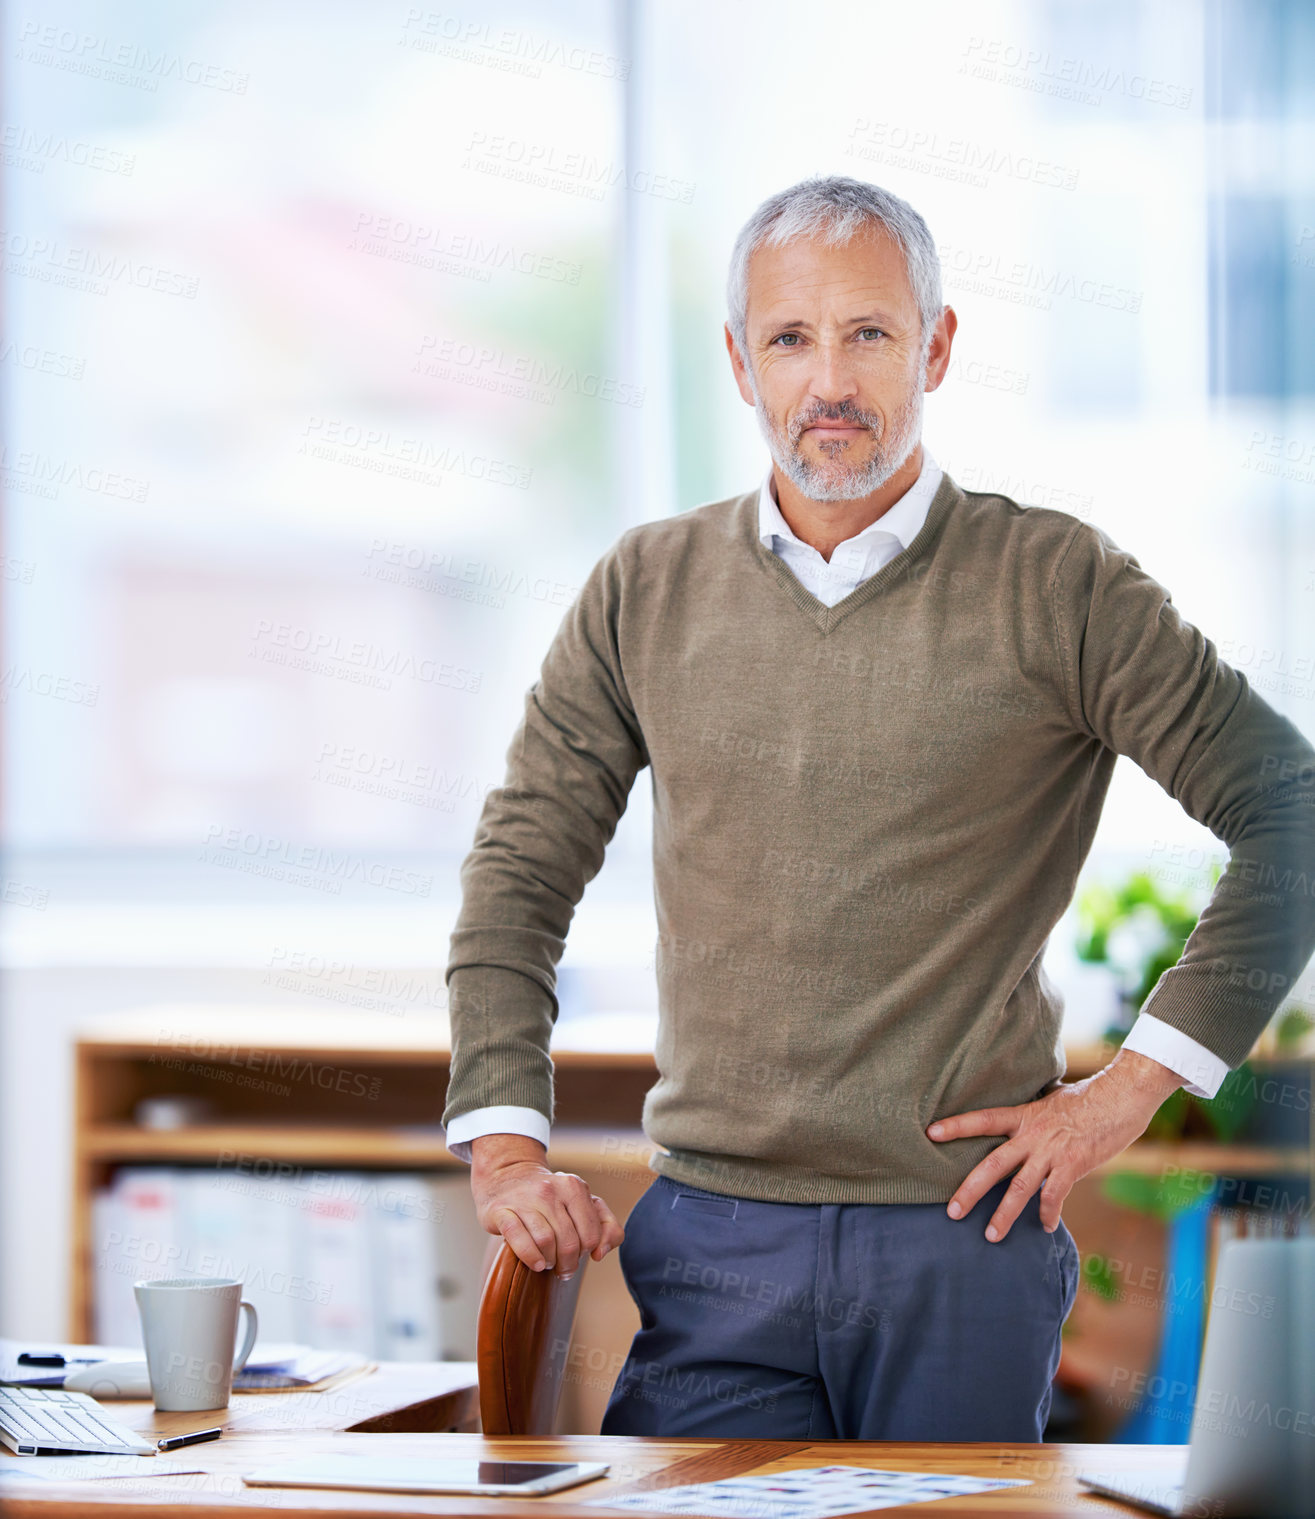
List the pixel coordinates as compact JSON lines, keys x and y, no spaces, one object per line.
{"x":341,"y":342}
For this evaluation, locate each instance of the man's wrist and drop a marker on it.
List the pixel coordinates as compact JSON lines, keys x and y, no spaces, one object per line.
{"x":490,"y":1152}
{"x":1142,"y":1075}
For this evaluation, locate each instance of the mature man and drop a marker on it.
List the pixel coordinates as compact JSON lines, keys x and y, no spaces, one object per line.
{"x":881,"y":715}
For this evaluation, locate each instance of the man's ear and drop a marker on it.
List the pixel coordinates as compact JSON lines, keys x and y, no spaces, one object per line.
{"x":938,"y":355}
{"x":737,"y":366}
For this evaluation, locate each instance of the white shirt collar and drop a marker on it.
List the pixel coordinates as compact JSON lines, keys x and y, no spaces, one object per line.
{"x":903,"y":521}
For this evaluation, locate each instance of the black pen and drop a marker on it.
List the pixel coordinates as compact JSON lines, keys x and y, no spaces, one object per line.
{"x":180,"y":1440}
{"x":34,"y":1358}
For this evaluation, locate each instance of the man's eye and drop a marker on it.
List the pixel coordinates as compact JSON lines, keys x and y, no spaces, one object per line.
{"x":789,"y":338}
{"x":876,"y":330}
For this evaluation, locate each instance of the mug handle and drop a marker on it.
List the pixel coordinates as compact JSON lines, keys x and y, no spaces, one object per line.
{"x":248,"y":1343}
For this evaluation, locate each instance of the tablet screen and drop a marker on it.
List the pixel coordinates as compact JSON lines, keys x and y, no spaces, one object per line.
{"x":509,"y":1471}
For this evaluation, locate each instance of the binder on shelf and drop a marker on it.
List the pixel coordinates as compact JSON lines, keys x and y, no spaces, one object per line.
{"x":286,"y":1287}
{"x":149,"y":1202}
{"x":136,"y":1228}
{"x":212,"y":1226}
{"x":336,"y":1228}
{"x":463,"y":1247}
{"x":114,"y":1316}
{"x":406,"y":1263}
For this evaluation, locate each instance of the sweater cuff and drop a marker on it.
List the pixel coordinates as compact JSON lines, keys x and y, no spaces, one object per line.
{"x":502,"y":1024}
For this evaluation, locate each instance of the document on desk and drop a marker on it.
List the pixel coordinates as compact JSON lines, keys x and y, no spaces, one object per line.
{"x":89,"y":1467}
{"x":299,"y":1371}
{"x":812,"y":1492}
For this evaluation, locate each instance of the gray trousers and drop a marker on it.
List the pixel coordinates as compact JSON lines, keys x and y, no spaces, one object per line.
{"x":855,"y":1321}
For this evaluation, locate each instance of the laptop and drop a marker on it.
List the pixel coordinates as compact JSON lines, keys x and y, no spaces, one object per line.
{"x":1251,"y":1454}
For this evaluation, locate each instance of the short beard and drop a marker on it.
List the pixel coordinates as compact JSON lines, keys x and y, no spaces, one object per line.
{"x":836,"y":479}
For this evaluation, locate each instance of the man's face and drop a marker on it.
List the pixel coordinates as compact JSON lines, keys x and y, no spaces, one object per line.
{"x":836,"y":366}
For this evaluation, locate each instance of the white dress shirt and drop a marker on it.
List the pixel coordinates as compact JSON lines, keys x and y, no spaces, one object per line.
{"x":830,"y":581}
{"x":859,"y":557}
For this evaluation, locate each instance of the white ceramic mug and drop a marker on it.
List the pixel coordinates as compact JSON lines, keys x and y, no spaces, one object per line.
{"x":189,"y":1327}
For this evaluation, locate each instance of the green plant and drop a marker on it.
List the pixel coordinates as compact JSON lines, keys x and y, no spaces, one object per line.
{"x":1291,"y":1029}
{"x":1137,"y":929}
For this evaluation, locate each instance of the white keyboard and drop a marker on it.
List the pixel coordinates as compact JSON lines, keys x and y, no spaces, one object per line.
{"x":47,"y":1421}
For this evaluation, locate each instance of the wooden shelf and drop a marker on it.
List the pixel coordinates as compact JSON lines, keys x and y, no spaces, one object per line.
{"x":341,"y":1146}
{"x":1148,"y":1157}
{"x":203,"y":1033}
{"x":569,"y":1146}
{"x":328,"y":1145}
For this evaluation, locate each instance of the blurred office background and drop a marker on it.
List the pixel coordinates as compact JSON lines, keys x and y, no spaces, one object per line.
{"x":341,"y":339}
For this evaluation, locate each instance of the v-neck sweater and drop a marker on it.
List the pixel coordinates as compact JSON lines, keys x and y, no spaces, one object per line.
{"x":868,"y":819}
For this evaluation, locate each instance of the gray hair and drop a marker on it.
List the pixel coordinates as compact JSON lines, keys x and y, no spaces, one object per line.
{"x":834,"y":209}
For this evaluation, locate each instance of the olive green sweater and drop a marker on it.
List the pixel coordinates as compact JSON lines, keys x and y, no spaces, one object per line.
{"x":867,"y":821}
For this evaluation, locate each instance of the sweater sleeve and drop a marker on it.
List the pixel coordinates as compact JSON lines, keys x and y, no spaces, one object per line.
{"x":539,"y":841}
{"x":1148,"y":684}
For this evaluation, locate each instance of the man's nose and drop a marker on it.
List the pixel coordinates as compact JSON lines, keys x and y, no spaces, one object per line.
{"x":833,"y":375}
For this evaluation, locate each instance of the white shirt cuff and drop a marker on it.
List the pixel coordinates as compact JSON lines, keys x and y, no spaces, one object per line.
{"x":496,"y":1120}
{"x":1202,"y":1070}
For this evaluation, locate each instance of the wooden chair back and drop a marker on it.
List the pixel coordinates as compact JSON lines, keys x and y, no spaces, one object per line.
{"x":524,"y":1334}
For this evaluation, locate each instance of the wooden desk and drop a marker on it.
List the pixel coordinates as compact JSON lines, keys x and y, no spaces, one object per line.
{"x":432,"y":1409}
